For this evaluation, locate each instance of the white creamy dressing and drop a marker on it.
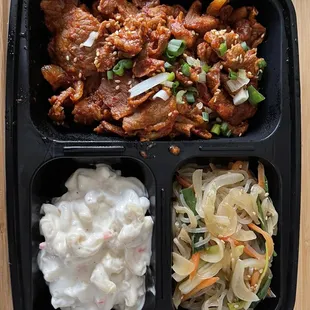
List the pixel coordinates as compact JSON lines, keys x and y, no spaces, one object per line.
{"x":97,"y":242}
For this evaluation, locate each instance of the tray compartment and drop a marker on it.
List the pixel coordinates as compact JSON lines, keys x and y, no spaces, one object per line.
{"x":273,"y":49}
{"x":275,"y":189}
{"x":48,"y":182}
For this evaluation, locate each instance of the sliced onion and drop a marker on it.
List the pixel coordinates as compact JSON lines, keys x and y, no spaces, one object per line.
{"x":162,"y":94}
{"x":241,"y":97}
{"x":168,"y":84}
{"x":244,"y":235}
{"x":178,"y":278}
{"x":93,"y":36}
{"x":181,"y":265}
{"x":242,"y":74}
{"x":193,"y":62}
{"x":235,"y":85}
{"x":148,"y":84}
{"x":214,"y":257}
{"x":183,"y":235}
{"x":237,"y":282}
{"x":183,"y":248}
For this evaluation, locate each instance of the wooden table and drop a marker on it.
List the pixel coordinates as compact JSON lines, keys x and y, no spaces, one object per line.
{"x":303,"y":296}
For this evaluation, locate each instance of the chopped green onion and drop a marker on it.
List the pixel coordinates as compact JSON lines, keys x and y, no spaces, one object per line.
{"x":224,"y":128}
{"x":118,"y":69}
{"x":228,"y":133}
{"x":170,"y":57}
{"x":179,"y":96}
{"x":244,"y":46}
{"x":232,"y":75}
{"x":110,"y":75}
{"x":216,"y":129}
{"x":262,"y":64}
{"x":255,"y":96}
{"x":168,"y":66}
{"x":176,"y":47}
{"x":206,"y":68}
{"x":266,"y":185}
{"x":175,"y":86}
{"x":190,"y":199}
{"x":190,"y":98}
{"x":275,"y":254}
{"x":193,"y":89}
{"x":205,"y":116}
{"x":223,"y":48}
{"x":186,"y":69}
{"x":171,"y":77}
{"x":126,"y":63}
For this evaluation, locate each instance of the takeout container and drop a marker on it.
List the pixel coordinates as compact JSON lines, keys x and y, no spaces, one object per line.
{"x":40,"y":156}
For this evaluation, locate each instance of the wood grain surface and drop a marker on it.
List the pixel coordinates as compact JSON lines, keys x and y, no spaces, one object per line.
{"x":303,"y":295}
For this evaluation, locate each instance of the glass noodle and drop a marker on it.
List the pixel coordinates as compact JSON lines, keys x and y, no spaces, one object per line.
{"x":224,"y":221}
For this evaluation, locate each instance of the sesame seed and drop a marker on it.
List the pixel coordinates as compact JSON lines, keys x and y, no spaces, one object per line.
{"x":117,"y":87}
{"x":170,"y":113}
{"x":97,"y":53}
{"x":221,"y":67}
{"x":117,"y":81}
{"x":236,"y":306}
{"x":108,"y":25}
{"x":68,"y":57}
{"x":129,"y":82}
{"x":118,"y":17}
{"x":254,"y":213}
{"x":80,"y":75}
{"x":75,"y":59}
{"x":114,"y":53}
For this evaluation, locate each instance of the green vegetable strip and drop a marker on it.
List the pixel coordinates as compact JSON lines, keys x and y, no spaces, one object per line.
{"x":233,"y":75}
{"x":236,"y":305}
{"x":255,"y":96}
{"x":118,"y":69}
{"x":224,"y":128}
{"x":262,"y":64}
{"x":206,"y":68}
{"x":179,"y":96}
{"x":205,"y":116}
{"x":244,"y":46}
{"x":223,"y":49}
{"x":110,"y":75}
{"x":186,"y":69}
{"x":168,"y":66}
{"x":175,"y":86}
{"x":216,"y":129}
{"x":190,"y":97}
{"x":261,"y":215}
{"x":176,"y":47}
{"x":171,"y":77}
{"x":190,"y":199}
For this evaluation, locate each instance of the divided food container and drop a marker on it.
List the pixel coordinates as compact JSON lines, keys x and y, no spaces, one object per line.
{"x":40,"y":156}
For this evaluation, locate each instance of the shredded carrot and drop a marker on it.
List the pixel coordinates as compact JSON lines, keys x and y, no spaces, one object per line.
{"x":261,"y":175}
{"x":199,"y":287}
{"x":195,"y":259}
{"x":248,"y":250}
{"x":237,"y":165}
{"x":268,"y":238}
{"x":185,"y":183}
{"x":255,"y":277}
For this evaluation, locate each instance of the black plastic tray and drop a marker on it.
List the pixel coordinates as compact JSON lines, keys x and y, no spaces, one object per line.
{"x":40,"y":156}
